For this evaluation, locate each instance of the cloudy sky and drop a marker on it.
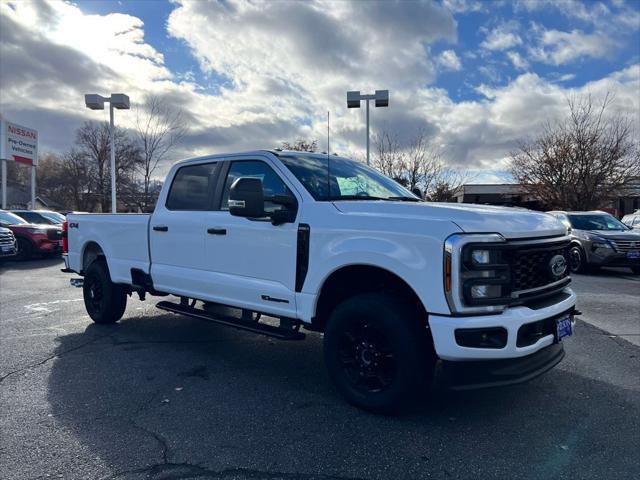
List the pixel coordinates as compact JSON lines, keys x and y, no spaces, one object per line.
{"x":474,"y":75}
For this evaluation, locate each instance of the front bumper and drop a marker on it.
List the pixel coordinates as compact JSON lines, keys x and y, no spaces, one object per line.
{"x":608,"y":258}
{"x":8,"y":252}
{"x":443,"y":331}
{"x":49,"y":246}
{"x":497,"y":373}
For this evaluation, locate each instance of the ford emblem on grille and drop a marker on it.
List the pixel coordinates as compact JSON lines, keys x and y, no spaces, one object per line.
{"x":557,"y":266}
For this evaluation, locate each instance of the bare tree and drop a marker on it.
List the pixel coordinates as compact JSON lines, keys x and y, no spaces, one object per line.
{"x":301,"y":145}
{"x":417,"y":166}
{"x":159,"y":128}
{"x":94,"y":144}
{"x":582,"y":162}
{"x":389,"y":156}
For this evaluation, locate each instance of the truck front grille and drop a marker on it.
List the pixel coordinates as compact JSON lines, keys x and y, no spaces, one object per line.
{"x":531,"y":269}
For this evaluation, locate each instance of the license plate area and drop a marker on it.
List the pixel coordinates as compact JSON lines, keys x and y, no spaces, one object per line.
{"x":633,"y":254}
{"x":564,"y":327}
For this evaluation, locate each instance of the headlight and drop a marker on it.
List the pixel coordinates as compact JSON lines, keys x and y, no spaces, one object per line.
{"x":480,"y":256}
{"x":476,"y":273}
{"x":485,"y":291}
{"x":597,"y":242}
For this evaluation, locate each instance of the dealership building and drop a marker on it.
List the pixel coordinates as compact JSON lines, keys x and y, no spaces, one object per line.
{"x":515,"y":195}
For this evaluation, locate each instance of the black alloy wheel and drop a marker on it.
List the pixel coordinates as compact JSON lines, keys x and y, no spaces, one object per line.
{"x":577,"y":262}
{"x":378,"y":352}
{"x":367,"y":357}
{"x":104,"y":300}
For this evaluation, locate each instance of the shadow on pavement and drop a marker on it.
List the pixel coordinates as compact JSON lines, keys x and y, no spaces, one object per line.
{"x":160,"y":396}
{"x":31,"y":264}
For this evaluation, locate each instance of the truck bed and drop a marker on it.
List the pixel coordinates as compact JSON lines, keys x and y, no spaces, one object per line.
{"x":123,"y":237}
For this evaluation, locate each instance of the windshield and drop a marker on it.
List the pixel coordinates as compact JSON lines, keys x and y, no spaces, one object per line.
{"x":55,"y":217}
{"x":349,"y":180}
{"x":7,"y":218}
{"x":35,"y":217}
{"x":596,"y":222}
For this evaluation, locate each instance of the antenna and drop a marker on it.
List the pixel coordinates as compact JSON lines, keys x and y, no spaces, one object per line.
{"x":328,"y":159}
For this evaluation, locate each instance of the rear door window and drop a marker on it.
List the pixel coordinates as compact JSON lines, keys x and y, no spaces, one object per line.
{"x":192,"y":188}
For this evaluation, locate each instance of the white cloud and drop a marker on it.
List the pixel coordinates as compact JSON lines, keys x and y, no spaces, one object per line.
{"x":287,"y":64}
{"x":558,"y":48}
{"x":448,"y":60}
{"x":517,"y":60}
{"x":566,"y":77}
{"x":617,"y":16}
{"x":463,"y":6}
{"x":502,"y":38}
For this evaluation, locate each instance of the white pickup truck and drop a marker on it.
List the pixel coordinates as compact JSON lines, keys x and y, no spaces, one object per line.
{"x":398,"y":286}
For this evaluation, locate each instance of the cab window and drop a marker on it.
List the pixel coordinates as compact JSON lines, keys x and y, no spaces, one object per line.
{"x":192,"y":188}
{"x":272,"y":184}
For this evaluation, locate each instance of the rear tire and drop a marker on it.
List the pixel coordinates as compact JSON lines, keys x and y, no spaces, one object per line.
{"x":25,"y":249}
{"x":104,"y":300}
{"x":377,"y":352}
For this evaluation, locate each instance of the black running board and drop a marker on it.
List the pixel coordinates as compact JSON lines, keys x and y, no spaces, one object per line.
{"x":251,"y":326}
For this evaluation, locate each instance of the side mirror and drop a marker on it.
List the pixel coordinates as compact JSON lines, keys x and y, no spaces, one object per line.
{"x":417,"y":192}
{"x":246,"y":198}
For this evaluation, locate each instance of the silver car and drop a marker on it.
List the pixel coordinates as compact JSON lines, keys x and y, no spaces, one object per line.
{"x":8,"y":245}
{"x":598,"y":239}
{"x":632,"y":220}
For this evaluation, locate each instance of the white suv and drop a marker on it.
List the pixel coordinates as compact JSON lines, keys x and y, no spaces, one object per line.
{"x":632,"y":220}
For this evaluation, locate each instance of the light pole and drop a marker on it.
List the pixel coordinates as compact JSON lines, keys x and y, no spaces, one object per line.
{"x":121,"y":102}
{"x":353,"y":101}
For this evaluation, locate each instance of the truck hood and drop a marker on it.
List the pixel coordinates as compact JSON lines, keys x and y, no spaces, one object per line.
{"x":509,"y":222}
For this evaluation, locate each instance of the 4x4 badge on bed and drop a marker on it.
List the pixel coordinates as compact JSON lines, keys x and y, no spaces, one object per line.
{"x":557,"y":265}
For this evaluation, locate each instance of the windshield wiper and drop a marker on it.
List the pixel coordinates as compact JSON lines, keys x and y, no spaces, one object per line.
{"x":405,"y":199}
{"x":355,"y":197}
{"x":369,"y":197}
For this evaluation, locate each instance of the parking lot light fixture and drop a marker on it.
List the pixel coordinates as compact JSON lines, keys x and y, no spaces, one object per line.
{"x":354,"y":97}
{"x":121,"y":102}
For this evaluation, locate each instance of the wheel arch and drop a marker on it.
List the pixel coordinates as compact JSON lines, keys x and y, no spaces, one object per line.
{"x":349,"y":280}
{"x":91,"y":251}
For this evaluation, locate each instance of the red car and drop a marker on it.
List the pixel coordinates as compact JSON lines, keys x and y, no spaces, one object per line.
{"x":32,"y":239}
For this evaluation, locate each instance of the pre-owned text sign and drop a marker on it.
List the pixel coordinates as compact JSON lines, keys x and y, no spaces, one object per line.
{"x":20,"y":143}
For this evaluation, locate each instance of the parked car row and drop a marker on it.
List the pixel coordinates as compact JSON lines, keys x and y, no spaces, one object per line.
{"x":598,"y":239}
{"x":30,"y":233}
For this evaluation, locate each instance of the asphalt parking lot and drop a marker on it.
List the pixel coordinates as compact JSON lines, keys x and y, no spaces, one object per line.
{"x":164,"y":397}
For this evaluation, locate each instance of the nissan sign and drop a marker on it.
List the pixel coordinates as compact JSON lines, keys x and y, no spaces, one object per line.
{"x":19,"y":144}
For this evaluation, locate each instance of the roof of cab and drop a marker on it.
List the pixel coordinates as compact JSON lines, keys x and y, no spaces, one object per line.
{"x":590,"y":212}
{"x":274,"y":151}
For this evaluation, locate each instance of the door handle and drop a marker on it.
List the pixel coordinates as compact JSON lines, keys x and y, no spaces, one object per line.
{"x":161,"y":228}
{"x":217,"y":231}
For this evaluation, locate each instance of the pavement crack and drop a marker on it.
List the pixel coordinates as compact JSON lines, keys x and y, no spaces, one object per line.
{"x":158,"y":438}
{"x":56,"y":355}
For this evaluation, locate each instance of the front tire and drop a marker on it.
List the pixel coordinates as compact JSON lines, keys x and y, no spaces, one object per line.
{"x":104,"y":300}
{"x":577,"y":260}
{"x":25,"y":249}
{"x":377,"y":353}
